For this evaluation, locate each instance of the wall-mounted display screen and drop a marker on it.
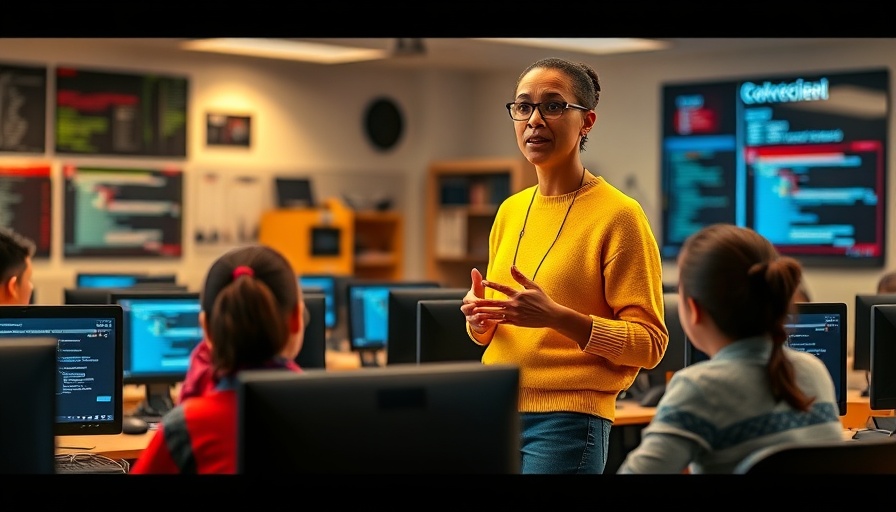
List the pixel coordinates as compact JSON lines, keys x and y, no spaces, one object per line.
{"x":800,"y":158}
{"x":23,"y":108}
{"x":122,"y":212}
{"x":26,"y":203}
{"x":103,"y":113}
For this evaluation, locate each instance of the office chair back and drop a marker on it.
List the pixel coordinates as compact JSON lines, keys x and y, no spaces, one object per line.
{"x":867,"y":456}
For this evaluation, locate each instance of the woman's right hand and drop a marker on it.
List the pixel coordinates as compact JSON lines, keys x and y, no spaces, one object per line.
{"x":479,"y":322}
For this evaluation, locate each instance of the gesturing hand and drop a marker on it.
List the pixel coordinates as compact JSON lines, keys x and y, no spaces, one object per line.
{"x":529,"y":307}
{"x":479,"y":320}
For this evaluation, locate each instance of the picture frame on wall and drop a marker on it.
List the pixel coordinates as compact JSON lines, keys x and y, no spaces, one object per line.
{"x":228,"y":130}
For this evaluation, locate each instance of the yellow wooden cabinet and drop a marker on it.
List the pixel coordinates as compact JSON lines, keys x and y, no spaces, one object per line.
{"x":334,"y":239}
{"x":314,"y":240}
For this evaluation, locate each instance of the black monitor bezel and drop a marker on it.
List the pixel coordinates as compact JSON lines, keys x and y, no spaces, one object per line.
{"x":113,"y":311}
{"x":28,"y":380}
{"x":350,"y":316}
{"x":150,"y":377}
{"x":449,"y":418}
{"x":401,"y":332}
{"x":314,"y":340}
{"x":81,"y":296}
{"x":882,"y":379}
{"x":441,"y":327}
{"x":861,"y":339}
{"x":674,"y":358}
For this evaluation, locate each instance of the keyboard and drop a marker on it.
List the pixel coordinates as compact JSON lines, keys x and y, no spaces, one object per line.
{"x":89,"y":463}
{"x":872,"y":434}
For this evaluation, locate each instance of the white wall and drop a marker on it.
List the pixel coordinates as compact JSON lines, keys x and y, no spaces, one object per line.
{"x":307,"y":119}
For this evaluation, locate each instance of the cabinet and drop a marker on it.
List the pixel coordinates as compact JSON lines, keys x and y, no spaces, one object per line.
{"x":379,"y":251}
{"x":462,"y":198}
{"x":335,"y":239}
{"x":314,"y":240}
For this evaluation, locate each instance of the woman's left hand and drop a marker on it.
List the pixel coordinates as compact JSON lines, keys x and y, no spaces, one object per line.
{"x":529,"y":307}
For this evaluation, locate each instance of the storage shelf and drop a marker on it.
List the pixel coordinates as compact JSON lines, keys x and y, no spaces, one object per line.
{"x":462,"y":200}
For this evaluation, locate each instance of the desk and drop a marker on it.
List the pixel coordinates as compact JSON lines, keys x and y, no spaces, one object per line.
{"x":118,"y":446}
{"x":858,"y":411}
{"x":629,"y":412}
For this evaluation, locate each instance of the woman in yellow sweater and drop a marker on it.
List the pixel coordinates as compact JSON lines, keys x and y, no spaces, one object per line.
{"x":574,"y":292}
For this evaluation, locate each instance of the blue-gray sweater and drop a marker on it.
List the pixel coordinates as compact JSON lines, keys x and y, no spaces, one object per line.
{"x":716,"y":412}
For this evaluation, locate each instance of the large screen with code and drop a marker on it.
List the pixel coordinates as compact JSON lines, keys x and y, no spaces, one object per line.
{"x":114,"y":212}
{"x":802,"y":159}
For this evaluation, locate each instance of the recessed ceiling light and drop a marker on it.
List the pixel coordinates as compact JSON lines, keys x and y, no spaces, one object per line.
{"x":596,"y":45}
{"x":286,"y":49}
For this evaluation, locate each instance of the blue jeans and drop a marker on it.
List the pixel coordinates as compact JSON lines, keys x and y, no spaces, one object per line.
{"x":564,"y":443}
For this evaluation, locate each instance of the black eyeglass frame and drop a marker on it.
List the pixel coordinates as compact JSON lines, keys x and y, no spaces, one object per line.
{"x":566,"y":106}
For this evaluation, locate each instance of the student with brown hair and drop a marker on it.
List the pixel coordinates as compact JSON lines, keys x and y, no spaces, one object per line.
{"x":252,"y":318}
{"x":735,"y":292}
{"x":887,"y":283}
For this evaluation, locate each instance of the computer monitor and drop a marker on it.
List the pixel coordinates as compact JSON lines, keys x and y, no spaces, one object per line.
{"x":442,"y":333}
{"x":862,"y":327}
{"x":120,"y":279}
{"x":882,"y":384}
{"x":327,"y":283}
{"x":72,"y":296}
{"x":819,"y":328}
{"x":89,"y":359}
{"x":106,"y":279}
{"x":368,"y":311}
{"x":449,"y":418}
{"x":314,"y":343}
{"x":294,"y":192}
{"x":401,"y":337}
{"x":161,"y":329}
{"x":153,"y":279}
{"x":28,"y":399}
{"x":653,"y":382}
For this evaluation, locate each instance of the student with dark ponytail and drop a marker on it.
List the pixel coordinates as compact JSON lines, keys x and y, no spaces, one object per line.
{"x":252,"y":317}
{"x":735,"y":293}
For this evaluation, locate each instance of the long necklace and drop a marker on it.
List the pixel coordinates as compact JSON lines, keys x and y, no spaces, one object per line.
{"x":526,"y":220}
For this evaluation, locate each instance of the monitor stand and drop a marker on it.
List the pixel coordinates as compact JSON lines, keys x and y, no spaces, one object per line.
{"x":158,"y":401}
{"x":368,"y":358}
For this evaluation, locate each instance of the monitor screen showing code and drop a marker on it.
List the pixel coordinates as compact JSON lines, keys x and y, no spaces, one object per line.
{"x":802,"y":159}
{"x":86,"y":359}
{"x":103,"y":113}
{"x":122,"y":212}
{"x":26,"y":203}
{"x":23,"y":108}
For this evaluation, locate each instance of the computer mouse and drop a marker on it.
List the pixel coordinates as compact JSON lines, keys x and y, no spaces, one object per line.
{"x":133,"y":425}
{"x":652,"y":396}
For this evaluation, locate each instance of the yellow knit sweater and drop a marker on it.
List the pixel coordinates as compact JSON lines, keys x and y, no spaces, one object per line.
{"x":606,"y":264}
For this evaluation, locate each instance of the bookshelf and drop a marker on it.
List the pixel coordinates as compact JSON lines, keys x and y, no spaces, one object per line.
{"x":379,"y":238}
{"x":462,"y":199}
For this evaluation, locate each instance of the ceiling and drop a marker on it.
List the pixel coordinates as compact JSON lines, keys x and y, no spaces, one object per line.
{"x":466,"y":54}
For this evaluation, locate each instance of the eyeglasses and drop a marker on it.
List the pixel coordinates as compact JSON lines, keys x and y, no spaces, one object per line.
{"x":522,"y":111}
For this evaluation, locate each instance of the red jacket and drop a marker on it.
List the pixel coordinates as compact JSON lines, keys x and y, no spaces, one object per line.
{"x":198,"y":380}
{"x":199,"y":435}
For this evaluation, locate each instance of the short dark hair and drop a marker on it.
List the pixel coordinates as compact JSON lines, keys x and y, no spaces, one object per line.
{"x":585,"y":82}
{"x":15,"y":249}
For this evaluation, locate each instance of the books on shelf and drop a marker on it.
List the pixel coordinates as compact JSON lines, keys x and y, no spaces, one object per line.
{"x":451,"y":233}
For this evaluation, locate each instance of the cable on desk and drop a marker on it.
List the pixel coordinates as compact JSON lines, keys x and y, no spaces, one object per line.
{"x":90,"y":463}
